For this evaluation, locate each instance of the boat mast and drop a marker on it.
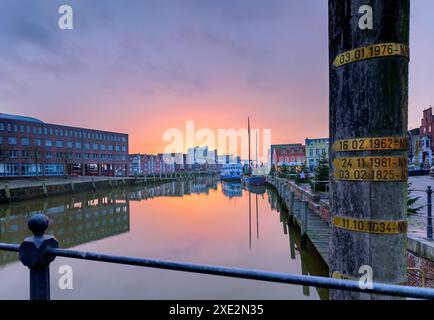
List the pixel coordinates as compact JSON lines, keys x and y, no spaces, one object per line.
{"x":248,"y":128}
{"x":256,"y":149}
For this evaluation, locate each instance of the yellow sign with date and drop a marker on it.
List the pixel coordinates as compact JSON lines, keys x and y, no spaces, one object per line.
{"x":383,"y":162}
{"x":366,"y":226}
{"x":374,"y":51}
{"x":372,"y":175}
{"x":371,"y":144}
{"x":389,"y":168}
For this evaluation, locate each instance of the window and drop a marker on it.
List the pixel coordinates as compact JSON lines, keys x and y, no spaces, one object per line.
{"x":8,"y":169}
{"x":87,"y":146}
{"x":95,"y":146}
{"x":12,"y":141}
{"x":311,"y":152}
{"x":2,"y":127}
{"x":69,"y":145}
{"x":38,"y":142}
{"x":22,"y":129}
{"x":45,"y":131}
{"x":103,"y":157}
{"x":59,"y":155}
{"x":87,"y":156}
{"x":124,"y":157}
{"x":1,"y":140}
{"x":31,"y":169}
{"x":48,"y":143}
{"x":25,"y":154}
{"x":78,"y":155}
{"x":124,"y":148}
{"x":13,"y":154}
{"x":95,"y":156}
{"x":48,"y":155}
{"x":25,"y":141}
{"x":54,"y":169}
{"x":117,"y":148}
{"x":78,"y":145}
{"x":59,"y":144}
{"x":103,"y":147}
{"x":110,"y":147}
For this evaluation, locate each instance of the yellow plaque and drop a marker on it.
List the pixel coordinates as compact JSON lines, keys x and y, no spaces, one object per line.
{"x":371,"y":144}
{"x":373,"y":175}
{"x":373,"y":51}
{"x":340,"y":276}
{"x":383,"y":162}
{"x":366,"y":226}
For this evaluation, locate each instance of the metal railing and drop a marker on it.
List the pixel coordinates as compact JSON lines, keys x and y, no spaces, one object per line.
{"x":429,"y":224}
{"x":38,"y":251}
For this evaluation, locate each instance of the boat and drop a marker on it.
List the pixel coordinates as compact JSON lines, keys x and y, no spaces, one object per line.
{"x":232,"y":172}
{"x":232,"y":189}
{"x":257,"y":176}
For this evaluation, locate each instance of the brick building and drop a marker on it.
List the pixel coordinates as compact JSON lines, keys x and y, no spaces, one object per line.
{"x":30,"y":147}
{"x":288,"y":154}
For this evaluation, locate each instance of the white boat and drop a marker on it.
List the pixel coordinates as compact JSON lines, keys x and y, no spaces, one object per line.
{"x":232,"y":172}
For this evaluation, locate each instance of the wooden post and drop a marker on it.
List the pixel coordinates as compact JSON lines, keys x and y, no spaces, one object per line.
{"x":369,"y":56}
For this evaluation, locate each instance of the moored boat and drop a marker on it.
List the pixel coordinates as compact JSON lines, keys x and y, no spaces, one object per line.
{"x":232,"y":172}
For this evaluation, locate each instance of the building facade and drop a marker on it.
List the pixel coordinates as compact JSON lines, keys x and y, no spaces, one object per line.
{"x":315,"y":148}
{"x":288,"y":154}
{"x":424,"y":148}
{"x":145,"y":164}
{"x":30,"y":147}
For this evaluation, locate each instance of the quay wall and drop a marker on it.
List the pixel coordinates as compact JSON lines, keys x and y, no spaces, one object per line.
{"x":420,"y":252}
{"x":12,"y":192}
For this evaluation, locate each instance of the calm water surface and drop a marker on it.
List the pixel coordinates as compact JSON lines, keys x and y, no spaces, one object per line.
{"x":199,"y":221}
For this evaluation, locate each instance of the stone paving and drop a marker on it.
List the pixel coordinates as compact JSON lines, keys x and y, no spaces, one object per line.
{"x":417,"y":223}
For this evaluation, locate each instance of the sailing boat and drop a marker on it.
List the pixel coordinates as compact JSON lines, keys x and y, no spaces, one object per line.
{"x":258,"y":177}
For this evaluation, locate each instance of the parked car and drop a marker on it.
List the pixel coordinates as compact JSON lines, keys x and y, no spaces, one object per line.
{"x":431,"y":172}
{"x":414,"y":171}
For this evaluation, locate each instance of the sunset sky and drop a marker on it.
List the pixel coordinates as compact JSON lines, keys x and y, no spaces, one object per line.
{"x":142,"y":67}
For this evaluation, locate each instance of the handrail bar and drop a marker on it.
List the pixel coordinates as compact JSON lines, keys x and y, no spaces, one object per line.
{"x":314,"y":281}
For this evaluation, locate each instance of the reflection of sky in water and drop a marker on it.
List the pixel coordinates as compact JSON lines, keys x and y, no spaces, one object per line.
{"x":192,"y":222}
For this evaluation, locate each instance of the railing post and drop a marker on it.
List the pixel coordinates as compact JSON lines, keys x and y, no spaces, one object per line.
{"x":429,"y":232}
{"x":303,"y":222}
{"x":33,"y":254}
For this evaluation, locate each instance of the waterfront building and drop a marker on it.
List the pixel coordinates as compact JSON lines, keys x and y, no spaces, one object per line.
{"x":315,"y":148}
{"x":288,"y":154}
{"x":425,"y":148}
{"x":30,"y":147}
{"x":145,"y":164}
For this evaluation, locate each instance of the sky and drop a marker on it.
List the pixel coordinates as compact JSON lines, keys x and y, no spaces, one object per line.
{"x":145,"y":66}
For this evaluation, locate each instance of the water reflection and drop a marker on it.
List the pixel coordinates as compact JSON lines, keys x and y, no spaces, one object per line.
{"x":232,"y":189}
{"x":182,"y":220}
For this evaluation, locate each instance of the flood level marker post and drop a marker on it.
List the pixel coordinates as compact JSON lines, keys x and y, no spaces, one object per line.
{"x":369,"y":57}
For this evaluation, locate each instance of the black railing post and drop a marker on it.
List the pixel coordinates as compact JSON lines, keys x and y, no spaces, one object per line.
{"x":33,"y":254}
{"x":429,"y":192}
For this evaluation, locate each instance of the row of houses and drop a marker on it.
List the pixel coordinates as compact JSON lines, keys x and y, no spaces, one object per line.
{"x":421,"y":147}
{"x":196,"y":159}
{"x":299,"y":154}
